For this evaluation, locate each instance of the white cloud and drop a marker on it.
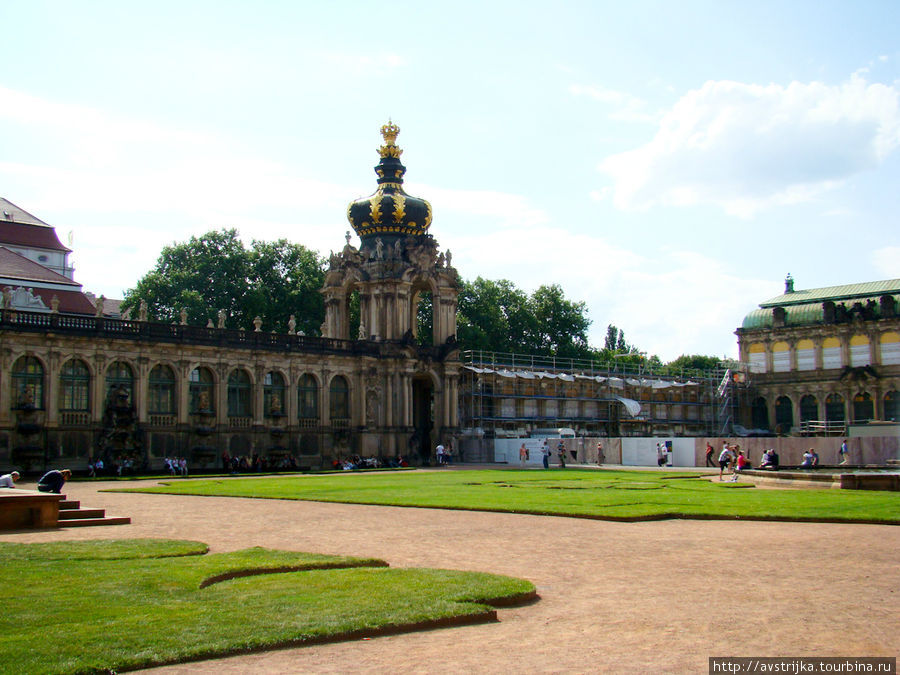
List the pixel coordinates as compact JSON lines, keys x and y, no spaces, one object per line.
{"x":502,"y":208}
{"x":887,"y":262}
{"x":748,"y":147}
{"x":678,"y":302}
{"x":625,"y":107}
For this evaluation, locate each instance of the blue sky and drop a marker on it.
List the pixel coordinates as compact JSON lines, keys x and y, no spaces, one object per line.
{"x":667,"y":163}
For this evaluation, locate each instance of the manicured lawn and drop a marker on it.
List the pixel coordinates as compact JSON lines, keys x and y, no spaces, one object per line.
{"x":100,"y":606}
{"x":602,"y":494}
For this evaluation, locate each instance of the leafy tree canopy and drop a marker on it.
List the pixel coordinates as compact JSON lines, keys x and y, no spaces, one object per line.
{"x":216,"y":271}
{"x":498,"y":316}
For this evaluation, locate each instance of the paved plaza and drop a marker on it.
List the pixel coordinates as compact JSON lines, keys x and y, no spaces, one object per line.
{"x":615,"y":597}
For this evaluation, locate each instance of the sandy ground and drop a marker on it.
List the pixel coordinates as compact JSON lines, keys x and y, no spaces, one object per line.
{"x":615,"y":597}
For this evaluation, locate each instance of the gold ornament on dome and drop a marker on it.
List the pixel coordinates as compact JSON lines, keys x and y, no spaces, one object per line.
{"x":399,"y":208}
{"x":375,"y":208}
{"x":390,"y":149}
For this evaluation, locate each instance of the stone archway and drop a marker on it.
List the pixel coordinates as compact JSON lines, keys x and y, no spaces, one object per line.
{"x":423,"y":418}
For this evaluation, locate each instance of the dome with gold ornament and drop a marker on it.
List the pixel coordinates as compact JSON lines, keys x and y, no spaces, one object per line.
{"x":389,"y":213}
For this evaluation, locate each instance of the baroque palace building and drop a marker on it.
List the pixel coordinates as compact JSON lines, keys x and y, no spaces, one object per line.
{"x":824,"y":358}
{"x":78,"y":383}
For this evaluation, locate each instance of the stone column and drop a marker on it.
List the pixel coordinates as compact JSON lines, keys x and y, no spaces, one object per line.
{"x":259,"y":373}
{"x":182,"y":388}
{"x":98,"y":382}
{"x":142,"y":388}
{"x":52,"y":391}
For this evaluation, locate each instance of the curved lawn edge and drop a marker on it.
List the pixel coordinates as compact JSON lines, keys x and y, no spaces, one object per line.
{"x":257,"y":571}
{"x":483,"y":617}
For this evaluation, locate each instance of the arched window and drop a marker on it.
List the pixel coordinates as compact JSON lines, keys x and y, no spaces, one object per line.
{"x":74,"y":387}
{"x":892,"y":406}
{"x":781,"y":357}
{"x":859,"y":351}
{"x":28,"y":383}
{"x":831,"y":353}
{"x":239,"y":390}
{"x":339,"y":400}
{"x":890,"y":349}
{"x":757,"y":357}
{"x":760,"y":414}
{"x":809,"y":409}
{"x":423,"y":317}
{"x":784,"y":414}
{"x":863,"y":407}
{"x":273,"y":395}
{"x":201,"y":391}
{"x":834,"y":408}
{"x":308,"y":399}
{"x":162,"y":391}
{"x":120,"y":378}
{"x":806,"y":355}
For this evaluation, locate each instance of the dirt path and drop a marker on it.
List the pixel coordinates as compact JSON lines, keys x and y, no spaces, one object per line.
{"x":616,"y":597}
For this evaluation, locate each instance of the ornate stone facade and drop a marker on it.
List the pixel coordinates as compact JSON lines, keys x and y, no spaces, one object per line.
{"x":822,"y":358}
{"x":74,"y":387}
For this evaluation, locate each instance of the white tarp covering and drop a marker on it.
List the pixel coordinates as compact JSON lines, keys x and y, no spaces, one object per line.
{"x":633,"y":407}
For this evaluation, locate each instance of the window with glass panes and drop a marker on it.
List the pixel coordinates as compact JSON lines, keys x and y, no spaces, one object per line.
{"x":239,"y":394}
{"x":119,"y":377}
{"x":201,"y":391}
{"x":340,"y":398}
{"x":28,"y":383}
{"x":162,"y":391}
{"x":308,"y":398}
{"x":273,"y":395}
{"x":74,"y":386}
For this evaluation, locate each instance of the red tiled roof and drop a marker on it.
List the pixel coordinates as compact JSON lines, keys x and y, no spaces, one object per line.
{"x":70,"y":302}
{"x":15,"y":266}
{"x":20,"y":228}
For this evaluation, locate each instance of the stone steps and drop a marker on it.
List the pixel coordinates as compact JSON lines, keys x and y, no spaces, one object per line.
{"x":72,"y":515}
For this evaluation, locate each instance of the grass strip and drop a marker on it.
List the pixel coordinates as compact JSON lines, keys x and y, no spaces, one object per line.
{"x":128,"y":604}
{"x":609,"y":494}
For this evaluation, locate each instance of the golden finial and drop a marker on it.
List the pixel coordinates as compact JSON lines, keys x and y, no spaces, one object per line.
{"x":390,"y":149}
{"x":389,"y":131}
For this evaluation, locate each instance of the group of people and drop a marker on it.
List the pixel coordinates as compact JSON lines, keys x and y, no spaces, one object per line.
{"x":176,"y":466}
{"x":124,"y":467}
{"x":444,"y":454}
{"x":731,"y":457}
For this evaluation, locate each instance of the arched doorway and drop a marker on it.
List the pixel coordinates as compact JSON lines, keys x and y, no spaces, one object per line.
{"x":422,"y":439}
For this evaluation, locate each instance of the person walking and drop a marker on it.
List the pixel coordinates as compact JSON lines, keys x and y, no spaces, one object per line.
{"x":523,"y":455}
{"x":545,"y":454}
{"x":725,"y":458}
{"x":561,"y":453}
{"x":844,"y":453}
{"x":600,"y":457}
{"x":709,"y":455}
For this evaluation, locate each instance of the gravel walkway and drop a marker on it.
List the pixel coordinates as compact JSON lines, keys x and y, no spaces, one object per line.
{"x":615,"y":597}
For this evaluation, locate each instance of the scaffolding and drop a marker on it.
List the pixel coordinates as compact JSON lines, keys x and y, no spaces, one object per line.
{"x":518,"y":395}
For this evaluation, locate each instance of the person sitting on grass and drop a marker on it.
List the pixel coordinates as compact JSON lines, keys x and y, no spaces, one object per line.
{"x":8,"y":480}
{"x":53,"y":481}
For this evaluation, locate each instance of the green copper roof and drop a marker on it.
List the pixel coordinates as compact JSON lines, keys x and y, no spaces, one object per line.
{"x":804,"y":308}
{"x":868,"y":289}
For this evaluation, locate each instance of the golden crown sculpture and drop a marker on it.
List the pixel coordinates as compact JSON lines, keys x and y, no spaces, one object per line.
{"x":390,"y":149}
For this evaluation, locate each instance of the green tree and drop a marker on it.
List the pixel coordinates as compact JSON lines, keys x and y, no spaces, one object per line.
{"x":497,"y":316}
{"x":494,"y":316}
{"x":560,"y":325}
{"x":215,"y":271}
{"x":693,"y":362}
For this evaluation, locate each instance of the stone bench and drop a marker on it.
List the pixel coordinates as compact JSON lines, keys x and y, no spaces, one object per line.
{"x":26,"y":509}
